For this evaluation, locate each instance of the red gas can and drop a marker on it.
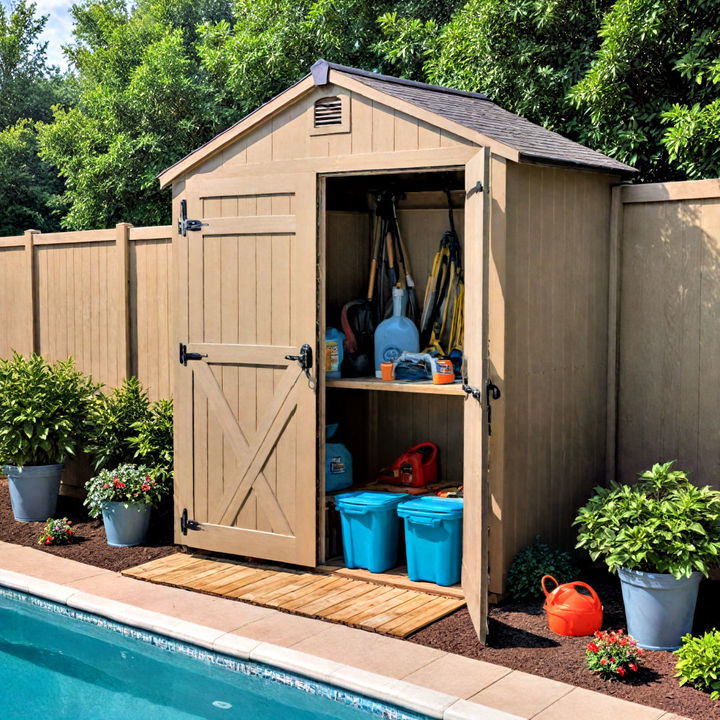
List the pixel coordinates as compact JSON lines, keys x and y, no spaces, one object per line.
{"x":571,"y":612}
{"x":417,"y":467}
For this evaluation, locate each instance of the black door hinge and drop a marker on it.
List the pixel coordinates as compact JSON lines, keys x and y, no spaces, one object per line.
{"x":492,"y":392}
{"x":185,"y":225}
{"x":186,"y":524}
{"x":184,"y":355}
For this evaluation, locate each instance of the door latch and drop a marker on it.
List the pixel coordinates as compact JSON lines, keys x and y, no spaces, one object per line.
{"x":185,"y":355}
{"x":186,"y":524}
{"x":492,"y":392}
{"x":185,"y":225}
{"x":473,"y":392}
{"x":305,"y":358}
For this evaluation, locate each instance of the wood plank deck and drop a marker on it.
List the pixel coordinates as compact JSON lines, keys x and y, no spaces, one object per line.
{"x":387,"y":609}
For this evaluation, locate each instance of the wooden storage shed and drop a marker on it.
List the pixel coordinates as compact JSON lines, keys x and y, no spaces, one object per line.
{"x":285,"y":201}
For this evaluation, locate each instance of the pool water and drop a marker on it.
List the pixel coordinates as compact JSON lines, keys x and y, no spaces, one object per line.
{"x":56,"y":663}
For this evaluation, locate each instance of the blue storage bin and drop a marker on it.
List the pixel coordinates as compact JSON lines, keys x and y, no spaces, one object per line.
{"x":370,"y":529}
{"x":433,"y":538}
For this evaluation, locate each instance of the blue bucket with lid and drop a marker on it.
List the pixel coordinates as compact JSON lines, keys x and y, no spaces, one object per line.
{"x":433,"y":538}
{"x":370,"y":529}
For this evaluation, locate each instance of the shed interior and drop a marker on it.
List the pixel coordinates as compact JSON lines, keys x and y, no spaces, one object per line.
{"x":380,"y":420}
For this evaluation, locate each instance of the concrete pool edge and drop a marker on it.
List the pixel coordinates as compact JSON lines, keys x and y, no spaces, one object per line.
{"x":408,"y":696}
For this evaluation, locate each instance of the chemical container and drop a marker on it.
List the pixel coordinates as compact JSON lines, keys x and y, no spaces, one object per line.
{"x":433,"y":538}
{"x":370,"y":529}
{"x":573,"y":609}
{"x":395,"y":335}
{"x":333,"y":352}
{"x":338,"y":462}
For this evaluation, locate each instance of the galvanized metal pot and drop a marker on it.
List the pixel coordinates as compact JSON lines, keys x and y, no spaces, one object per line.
{"x":659,"y":608}
{"x":34,"y":490}
{"x":126,"y":524}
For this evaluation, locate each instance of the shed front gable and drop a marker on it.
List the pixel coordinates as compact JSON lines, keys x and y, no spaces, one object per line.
{"x":367,"y":126}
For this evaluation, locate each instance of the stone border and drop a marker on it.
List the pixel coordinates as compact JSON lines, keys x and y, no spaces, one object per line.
{"x":407,"y":696}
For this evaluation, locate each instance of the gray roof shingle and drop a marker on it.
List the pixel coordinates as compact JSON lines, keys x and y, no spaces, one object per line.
{"x":477,"y":112}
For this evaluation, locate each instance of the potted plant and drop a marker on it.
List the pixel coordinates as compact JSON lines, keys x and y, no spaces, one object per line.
{"x":661,"y":535}
{"x":125,"y":497}
{"x":44,"y":411}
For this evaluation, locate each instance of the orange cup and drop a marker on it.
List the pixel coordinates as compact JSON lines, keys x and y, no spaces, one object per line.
{"x":386,"y":370}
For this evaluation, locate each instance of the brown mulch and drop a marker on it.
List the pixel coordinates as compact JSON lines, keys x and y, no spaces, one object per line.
{"x":519,"y":639}
{"x":90,"y":545}
{"x":518,"y":636}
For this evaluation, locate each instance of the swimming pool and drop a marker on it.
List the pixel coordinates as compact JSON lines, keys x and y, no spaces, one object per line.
{"x":57,"y":662}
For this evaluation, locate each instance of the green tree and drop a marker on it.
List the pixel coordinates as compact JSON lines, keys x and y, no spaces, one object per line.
{"x":272,"y":43}
{"x":526,"y":54}
{"x":28,"y":89}
{"x":143,"y":103}
{"x":651,"y":97}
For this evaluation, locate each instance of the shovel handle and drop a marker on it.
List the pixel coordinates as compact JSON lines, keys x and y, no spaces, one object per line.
{"x":371,"y":283}
{"x":542,"y":583}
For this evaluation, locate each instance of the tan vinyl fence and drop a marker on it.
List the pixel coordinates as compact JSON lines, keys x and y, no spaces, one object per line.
{"x":101,"y":296}
{"x":666,"y":384}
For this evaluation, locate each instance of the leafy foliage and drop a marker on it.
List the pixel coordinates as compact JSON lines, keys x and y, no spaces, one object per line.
{"x":114,"y":418}
{"x":663,"y":524}
{"x":28,"y":89}
{"x":699,"y":662}
{"x":127,"y":484}
{"x":657,"y":67}
{"x":525,"y":54}
{"x":44,"y":410}
{"x":143,"y":103}
{"x":56,"y":532}
{"x":153,"y":442}
{"x":613,"y":655}
{"x":531,"y":563}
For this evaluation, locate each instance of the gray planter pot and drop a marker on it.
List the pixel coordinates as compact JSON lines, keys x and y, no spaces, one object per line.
{"x":126,"y":524}
{"x":33,"y":491}
{"x":659,"y":608}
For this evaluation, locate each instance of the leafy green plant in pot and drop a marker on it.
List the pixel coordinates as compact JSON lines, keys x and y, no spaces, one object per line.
{"x":44,"y":416}
{"x":125,"y":496}
{"x":661,"y":535}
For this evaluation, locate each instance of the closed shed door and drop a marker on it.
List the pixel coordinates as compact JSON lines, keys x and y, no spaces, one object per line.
{"x":246,"y":415}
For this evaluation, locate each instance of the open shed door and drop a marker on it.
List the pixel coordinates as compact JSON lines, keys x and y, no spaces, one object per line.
{"x":475,"y":576}
{"x":245,"y":415}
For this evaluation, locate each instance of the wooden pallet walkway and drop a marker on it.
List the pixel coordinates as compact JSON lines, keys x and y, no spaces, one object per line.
{"x":395,"y":611}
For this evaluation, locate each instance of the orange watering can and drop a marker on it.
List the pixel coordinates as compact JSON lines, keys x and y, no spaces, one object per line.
{"x":571,"y":612}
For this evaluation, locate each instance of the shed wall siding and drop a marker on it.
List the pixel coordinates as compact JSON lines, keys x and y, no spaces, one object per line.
{"x":555,"y":355}
{"x":374,"y":128}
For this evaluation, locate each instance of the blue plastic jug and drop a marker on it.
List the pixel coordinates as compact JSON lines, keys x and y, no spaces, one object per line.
{"x":338,"y":463}
{"x":395,"y":335}
{"x":334,"y":352}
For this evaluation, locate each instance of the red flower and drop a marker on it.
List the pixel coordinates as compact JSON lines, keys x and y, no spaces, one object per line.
{"x":69,"y":522}
{"x":603,"y":661}
{"x":106,"y":486}
{"x":69,"y":531}
{"x":593,"y":647}
{"x":612,"y":660}
{"x":633,"y":667}
{"x":621,"y":671}
{"x":48,"y":541}
{"x":145,"y":487}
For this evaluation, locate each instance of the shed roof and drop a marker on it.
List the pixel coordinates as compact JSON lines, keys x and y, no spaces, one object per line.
{"x":474,"y":111}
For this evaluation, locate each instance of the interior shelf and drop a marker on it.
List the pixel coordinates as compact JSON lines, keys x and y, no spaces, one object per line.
{"x":371,"y":383}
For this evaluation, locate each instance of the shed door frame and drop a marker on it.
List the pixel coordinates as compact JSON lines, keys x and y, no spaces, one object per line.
{"x":287,"y":405}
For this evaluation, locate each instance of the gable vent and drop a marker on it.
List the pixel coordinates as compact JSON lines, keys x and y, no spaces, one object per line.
{"x":328,"y":111}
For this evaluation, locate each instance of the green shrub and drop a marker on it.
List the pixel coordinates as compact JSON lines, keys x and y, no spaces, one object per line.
{"x":663,"y":524}
{"x":699,"y":662}
{"x":114,"y":420}
{"x":531,"y":563}
{"x":44,"y":410}
{"x":153,"y":441}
